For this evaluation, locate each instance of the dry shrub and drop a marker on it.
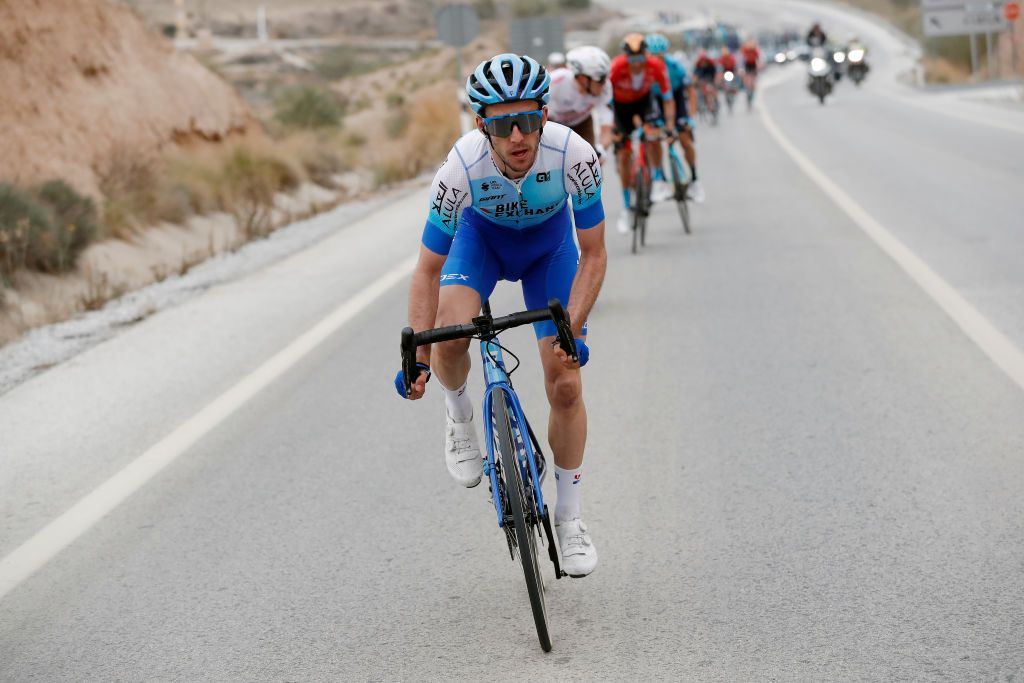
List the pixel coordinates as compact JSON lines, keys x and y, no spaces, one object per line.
{"x":316,"y":153}
{"x":431,"y":129}
{"x":250,"y":179}
{"x":939,"y":70}
{"x":434,"y":127}
{"x":130,"y":192}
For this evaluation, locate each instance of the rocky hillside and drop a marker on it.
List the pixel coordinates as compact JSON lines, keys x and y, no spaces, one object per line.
{"x":84,"y":82}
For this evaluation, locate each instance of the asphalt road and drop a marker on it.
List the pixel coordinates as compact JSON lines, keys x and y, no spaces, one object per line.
{"x":799,"y":467}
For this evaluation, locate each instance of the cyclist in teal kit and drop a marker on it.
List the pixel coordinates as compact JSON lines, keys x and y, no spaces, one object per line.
{"x":503,"y":207}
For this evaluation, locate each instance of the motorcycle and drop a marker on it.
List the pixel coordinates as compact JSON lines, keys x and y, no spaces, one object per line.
{"x":838,"y":63}
{"x":819,"y":72}
{"x":730,"y":84}
{"x":857,"y":68}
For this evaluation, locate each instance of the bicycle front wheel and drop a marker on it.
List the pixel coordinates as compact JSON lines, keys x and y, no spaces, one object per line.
{"x":638,"y":209}
{"x":520,"y":508}
{"x":681,"y":189}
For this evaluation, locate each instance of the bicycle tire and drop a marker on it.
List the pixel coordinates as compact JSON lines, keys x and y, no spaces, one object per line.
{"x":643,"y":203}
{"x":638,"y":209}
{"x":515,"y":493}
{"x":681,"y":189}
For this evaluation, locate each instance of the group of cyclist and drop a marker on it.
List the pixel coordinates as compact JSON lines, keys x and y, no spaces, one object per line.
{"x":519,"y":199}
{"x":642,"y":86}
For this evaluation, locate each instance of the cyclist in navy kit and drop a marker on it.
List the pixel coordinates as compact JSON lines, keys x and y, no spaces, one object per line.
{"x":500,"y":210}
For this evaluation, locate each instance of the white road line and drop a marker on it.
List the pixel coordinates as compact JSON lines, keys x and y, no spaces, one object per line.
{"x":61,"y":532}
{"x":975,"y":325}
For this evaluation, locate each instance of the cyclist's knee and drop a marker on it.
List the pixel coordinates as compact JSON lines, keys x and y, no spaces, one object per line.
{"x":565,"y":390}
{"x":450,"y":351}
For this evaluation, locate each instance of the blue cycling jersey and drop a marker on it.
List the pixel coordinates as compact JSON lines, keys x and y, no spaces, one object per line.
{"x":678,"y":76}
{"x":566,"y":167}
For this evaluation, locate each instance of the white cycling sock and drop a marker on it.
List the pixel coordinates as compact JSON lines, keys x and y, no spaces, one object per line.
{"x":459,"y":405}
{"x":567,"y":483}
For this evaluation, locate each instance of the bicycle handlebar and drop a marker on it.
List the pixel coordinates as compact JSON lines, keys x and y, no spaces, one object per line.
{"x":486,"y":327}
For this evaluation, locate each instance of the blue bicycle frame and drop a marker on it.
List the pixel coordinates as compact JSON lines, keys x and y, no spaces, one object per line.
{"x":497,"y":379}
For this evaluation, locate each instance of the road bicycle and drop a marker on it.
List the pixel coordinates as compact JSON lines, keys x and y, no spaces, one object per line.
{"x":640,"y":180}
{"x":707,"y":102}
{"x":681,"y":179}
{"x":516,"y":472}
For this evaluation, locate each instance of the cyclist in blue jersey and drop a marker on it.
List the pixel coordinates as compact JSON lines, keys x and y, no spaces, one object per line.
{"x":685,"y":96}
{"x":502,"y":207}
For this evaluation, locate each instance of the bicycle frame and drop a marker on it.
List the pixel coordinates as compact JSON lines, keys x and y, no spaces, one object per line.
{"x":497,"y":379}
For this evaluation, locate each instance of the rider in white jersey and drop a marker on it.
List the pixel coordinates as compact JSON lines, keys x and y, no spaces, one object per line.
{"x":565,"y":167}
{"x":581,"y":95}
{"x":500,"y":210}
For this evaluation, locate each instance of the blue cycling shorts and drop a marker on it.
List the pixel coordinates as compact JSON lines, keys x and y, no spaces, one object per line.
{"x":543,"y":257}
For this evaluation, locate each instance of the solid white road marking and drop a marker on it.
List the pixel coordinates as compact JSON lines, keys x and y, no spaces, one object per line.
{"x":26,"y":559}
{"x":975,"y":325}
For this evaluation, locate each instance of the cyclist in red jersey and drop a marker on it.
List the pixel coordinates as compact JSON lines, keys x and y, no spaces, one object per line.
{"x":751,"y":62}
{"x":728,"y":63}
{"x":632,"y":75}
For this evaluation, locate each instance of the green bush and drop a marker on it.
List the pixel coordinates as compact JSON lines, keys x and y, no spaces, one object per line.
{"x":307,"y":107}
{"x":72,"y":211}
{"x":532,"y":8}
{"x":485,"y":9}
{"x":44,"y":229}
{"x":20,"y":217}
{"x":575,"y":4}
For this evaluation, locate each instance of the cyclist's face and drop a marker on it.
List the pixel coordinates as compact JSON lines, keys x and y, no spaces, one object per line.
{"x":588,"y":86}
{"x":637,"y":63}
{"x":517,"y":152}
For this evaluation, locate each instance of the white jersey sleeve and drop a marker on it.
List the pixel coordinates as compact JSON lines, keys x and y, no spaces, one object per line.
{"x":583,"y":180}
{"x":449,"y":195}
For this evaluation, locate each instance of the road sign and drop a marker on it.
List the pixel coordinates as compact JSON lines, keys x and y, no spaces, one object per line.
{"x":957,"y":19}
{"x":1011,"y":11}
{"x":457,"y":25}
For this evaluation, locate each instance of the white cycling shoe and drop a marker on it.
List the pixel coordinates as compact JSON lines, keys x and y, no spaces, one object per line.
{"x":625,"y":222}
{"x":696,"y":192}
{"x":462,"y":452}
{"x":661,"y":190}
{"x":579,"y":556}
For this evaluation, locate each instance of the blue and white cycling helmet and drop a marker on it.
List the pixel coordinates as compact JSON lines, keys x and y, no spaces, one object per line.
{"x":507,"y":78}
{"x":656,"y":43}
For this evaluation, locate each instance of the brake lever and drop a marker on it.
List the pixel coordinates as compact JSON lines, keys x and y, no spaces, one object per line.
{"x":410,"y":371}
{"x":564,"y":329}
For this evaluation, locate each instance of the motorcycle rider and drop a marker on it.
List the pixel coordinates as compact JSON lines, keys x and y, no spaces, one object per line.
{"x":816,"y":37}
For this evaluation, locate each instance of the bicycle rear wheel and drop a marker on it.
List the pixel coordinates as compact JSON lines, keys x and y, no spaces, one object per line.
{"x":523,"y":520}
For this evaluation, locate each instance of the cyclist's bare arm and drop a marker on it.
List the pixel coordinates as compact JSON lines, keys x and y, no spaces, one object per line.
{"x":423,"y":293}
{"x":589,"y":276}
{"x":670,"y":113}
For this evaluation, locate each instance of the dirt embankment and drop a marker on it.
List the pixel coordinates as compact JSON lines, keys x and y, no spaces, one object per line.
{"x":84,"y":81}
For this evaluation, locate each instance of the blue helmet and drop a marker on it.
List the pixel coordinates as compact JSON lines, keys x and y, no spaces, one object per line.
{"x":507,"y":78}
{"x":656,"y":43}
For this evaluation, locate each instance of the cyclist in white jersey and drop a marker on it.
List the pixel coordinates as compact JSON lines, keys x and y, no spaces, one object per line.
{"x":500,"y":210}
{"x":581,"y":96}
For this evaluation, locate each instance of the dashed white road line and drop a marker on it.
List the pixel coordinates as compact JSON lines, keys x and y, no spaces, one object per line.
{"x":989,"y":339}
{"x":34,"y":553}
